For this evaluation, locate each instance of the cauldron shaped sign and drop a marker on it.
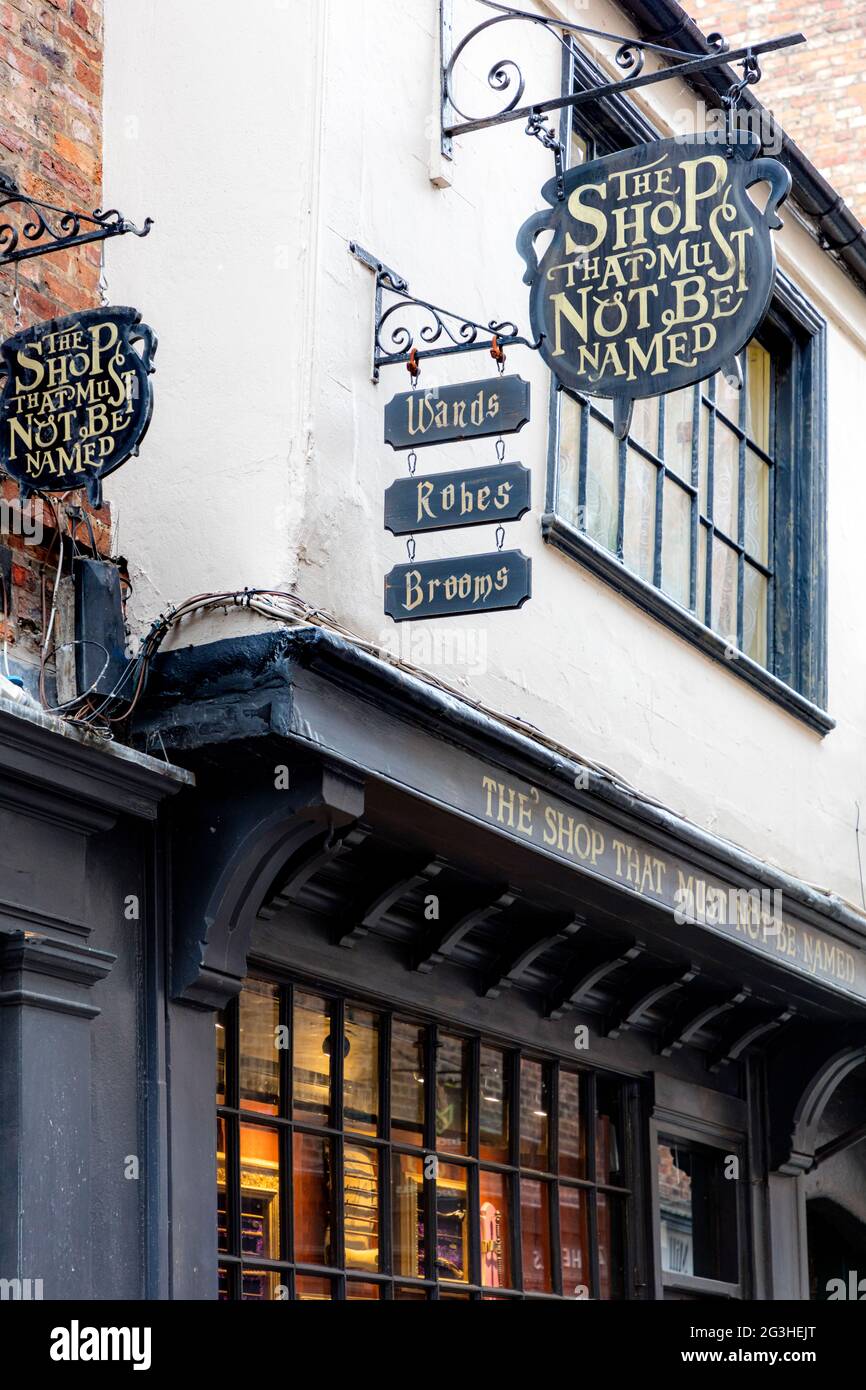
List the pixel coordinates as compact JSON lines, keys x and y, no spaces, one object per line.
{"x":76,"y":399}
{"x":660,"y":269}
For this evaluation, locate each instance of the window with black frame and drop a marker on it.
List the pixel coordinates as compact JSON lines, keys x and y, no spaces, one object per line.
{"x":711,"y":513}
{"x":699,"y":1218}
{"x":363,"y":1154}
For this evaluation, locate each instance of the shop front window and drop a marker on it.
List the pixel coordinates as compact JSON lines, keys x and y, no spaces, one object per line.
{"x":699,"y":1218}
{"x":364,"y":1155}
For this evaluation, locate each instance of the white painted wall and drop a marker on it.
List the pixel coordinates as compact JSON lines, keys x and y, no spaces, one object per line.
{"x":262,"y":141}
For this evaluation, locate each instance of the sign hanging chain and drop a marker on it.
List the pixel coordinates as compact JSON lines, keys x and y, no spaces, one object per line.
{"x":16,"y":301}
{"x":102,"y":283}
{"x":500,"y":450}
{"x":500,"y":536}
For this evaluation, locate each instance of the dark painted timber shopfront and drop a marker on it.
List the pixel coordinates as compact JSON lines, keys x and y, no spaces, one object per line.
{"x":469,"y":1019}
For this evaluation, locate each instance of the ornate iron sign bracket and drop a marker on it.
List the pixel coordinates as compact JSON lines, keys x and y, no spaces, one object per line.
{"x":42,"y":227}
{"x":505,"y":76}
{"x":395,"y":342}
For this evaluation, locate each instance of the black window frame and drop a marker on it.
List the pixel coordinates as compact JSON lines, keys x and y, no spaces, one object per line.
{"x":795,"y":677}
{"x":707,"y":1137}
{"x":628,"y":1193}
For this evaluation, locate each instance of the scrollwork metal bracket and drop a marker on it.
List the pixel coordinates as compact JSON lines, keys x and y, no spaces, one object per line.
{"x":505,"y":75}
{"x":396,"y":342}
{"x":38,"y":228}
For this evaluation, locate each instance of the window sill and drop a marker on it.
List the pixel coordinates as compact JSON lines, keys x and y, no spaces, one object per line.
{"x":565,"y":537}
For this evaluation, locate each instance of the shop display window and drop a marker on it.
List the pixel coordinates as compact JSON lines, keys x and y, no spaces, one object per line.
{"x":363,"y":1154}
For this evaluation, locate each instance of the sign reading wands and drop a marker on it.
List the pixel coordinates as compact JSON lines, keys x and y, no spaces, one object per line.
{"x":76,"y":399}
{"x":660,"y":269}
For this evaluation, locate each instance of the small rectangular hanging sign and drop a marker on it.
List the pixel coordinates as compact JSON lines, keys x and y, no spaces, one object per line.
{"x":465,"y":584}
{"x":471,"y":410}
{"x":470,"y":497}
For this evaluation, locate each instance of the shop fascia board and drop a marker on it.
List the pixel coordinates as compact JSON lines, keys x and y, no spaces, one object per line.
{"x":53,"y":771}
{"x":212,"y":696}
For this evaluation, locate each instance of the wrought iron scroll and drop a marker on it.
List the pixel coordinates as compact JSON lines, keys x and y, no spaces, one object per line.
{"x":30,"y":227}
{"x":506,"y":78}
{"x":438,"y":332}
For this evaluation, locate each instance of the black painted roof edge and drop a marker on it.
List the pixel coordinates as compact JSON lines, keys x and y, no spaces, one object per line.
{"x":265,"y":660}
{"x":840,"y":231}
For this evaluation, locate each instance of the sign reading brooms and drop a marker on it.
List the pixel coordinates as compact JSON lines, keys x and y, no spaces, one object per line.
{"x":76,"y":399}
{"x":660,"y":269}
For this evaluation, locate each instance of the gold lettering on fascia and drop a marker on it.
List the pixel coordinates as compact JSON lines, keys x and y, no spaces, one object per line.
{"x":607,"y":301}
{"x":427,"y":413}
{"x":747,"y":914}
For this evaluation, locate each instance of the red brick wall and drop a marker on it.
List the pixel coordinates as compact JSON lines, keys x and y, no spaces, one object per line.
{"x":51,"y":144}
{"x":818,"y":90}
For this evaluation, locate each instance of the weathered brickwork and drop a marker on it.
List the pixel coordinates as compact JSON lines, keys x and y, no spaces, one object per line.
{"x":818,"y":90}
{"x":51,"y":145}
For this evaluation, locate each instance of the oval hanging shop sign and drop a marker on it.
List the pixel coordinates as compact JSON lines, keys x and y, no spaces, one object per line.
{"x":76,"y":399}
{"x":660,"y":269}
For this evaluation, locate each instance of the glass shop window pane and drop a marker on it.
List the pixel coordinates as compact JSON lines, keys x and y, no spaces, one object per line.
{"x":571,"y":414}
{"x":578,"y":150}
{"x":310,"y":1287}
{"x":729,"y":397}
{"x":452,"y":1223}
{"x":408,"y":1239}
{"x":609,"y":1156}
{"x":311,"y":1060}
{"x":574,"y":1241}
{"x":222,"y":1208}
{"x":495,"y":1230}
{"x":701,"y":577}
{"x":726,"y":481}
{"x":676,"y":543}
{"x":361,"y":1206}
{"x":361,"y":1071}
{"x":703,"y":462}
{"x":535,"y":1235}
{"x":262,"y":1285}
{"x":679,"y":432}
{"x":534,"y":1115}
{"x":697,"y":1212}
{"x":258,"y":1027}
{"x":639,"y":525}
{"x":494,"y":1105}
{"x":260,"y":1192}
{"x":221,"y":1058}
{"x":311,"y":1195}
{"x":724,"y":604}
{"x":409,"y":1291}
{"x":222,"y":1284}
{"x":354,"y":1289}
{"x":758,"y":368}
{"x":644,"y":427}
{"x":755,"y":615}
{"x":757,"y":507}
{"x":572,"y":1135}
{"x":452,"y":1094}
{"x":407,"y":1082}
{"x":602,"y":485}
{"x":611,"y":1247}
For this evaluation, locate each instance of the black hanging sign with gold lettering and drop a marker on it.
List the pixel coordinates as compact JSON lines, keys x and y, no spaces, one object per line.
{"x":499,"y":405}
{"x":660,"y":269}
{"x":76,"y":399}
{"x":466,"y":584}
{"x":470,"y":497}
